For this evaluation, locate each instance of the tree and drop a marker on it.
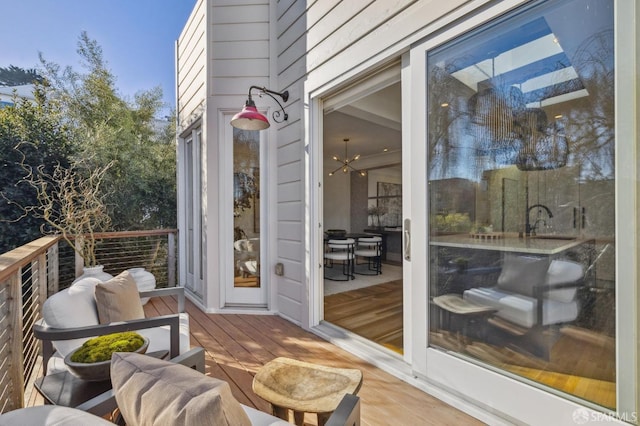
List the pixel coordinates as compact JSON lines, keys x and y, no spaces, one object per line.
{"x":16,"y":76}
{"x":141,"y":183}
{"x":70,"y":202}
{"x":79,"y":118}
{"x":38,"y":128}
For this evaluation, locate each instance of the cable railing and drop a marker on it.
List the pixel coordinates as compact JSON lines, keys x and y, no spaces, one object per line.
{"x":31,"y":273}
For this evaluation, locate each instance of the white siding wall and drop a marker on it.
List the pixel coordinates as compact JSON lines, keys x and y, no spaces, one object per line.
{"x":191,"y":62}
{"x":223,"y":50}
{"x":350,"y":34}
{"x":289,"y":56}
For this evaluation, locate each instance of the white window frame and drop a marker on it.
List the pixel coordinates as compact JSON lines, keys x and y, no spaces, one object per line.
{"x":230,"y":296}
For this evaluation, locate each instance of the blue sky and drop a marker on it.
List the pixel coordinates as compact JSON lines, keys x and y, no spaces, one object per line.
{"x":137,"y":37}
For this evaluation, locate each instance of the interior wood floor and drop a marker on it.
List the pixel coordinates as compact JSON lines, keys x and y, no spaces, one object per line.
{"x":581,"y":362}
{"x":238,"y":345}
{"x":373,"y":312}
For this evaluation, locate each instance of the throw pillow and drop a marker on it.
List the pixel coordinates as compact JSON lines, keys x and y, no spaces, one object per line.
{"x":154,"y":392}
{"x":70,"y":308}
{"x":520,"y":274}
{"x":118,"y":299}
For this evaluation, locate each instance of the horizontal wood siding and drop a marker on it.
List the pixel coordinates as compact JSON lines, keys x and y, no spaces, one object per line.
{"x":239,"y":45}
{"x":191,"y":72}
{"x":381,"y":25}
{"x":290,"y":37}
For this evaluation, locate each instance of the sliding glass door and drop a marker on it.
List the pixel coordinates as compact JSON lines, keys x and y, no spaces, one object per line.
{"x":521,"y":181}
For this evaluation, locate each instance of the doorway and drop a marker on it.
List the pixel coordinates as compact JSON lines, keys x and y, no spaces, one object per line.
{"x":363,"y":208}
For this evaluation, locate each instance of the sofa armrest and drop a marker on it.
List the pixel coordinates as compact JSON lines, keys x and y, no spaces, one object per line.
{"x":164,"y":292}
{"x":48,"y":334}
{"x":347,"y":413}
{"x":539,"y":292}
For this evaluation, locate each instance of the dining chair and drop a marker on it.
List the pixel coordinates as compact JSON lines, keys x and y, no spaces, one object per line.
{"x":340,"y":251}
{"x":369,"y":248}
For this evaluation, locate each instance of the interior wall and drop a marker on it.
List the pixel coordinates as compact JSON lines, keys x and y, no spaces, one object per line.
{"x":359,"y":196}
{"x":337,"y":204}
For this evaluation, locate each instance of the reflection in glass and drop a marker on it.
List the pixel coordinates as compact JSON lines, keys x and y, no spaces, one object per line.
{"x":246,"y":207}
{"x":521,"y":190}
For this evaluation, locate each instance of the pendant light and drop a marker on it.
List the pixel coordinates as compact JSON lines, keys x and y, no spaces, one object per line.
{"x":346,"y":162}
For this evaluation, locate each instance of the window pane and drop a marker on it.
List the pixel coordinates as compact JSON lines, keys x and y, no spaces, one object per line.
{"x":246,"y":208}
{"x":521,"y":196}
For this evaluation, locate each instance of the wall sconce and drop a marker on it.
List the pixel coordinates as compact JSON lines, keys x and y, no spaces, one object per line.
{"x":250,"y":119}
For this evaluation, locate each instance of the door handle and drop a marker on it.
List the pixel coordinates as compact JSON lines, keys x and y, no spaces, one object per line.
{"x":407,"y":239}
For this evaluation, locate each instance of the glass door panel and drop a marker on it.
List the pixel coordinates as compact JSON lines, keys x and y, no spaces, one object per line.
{"x":521,"y":188}
{"x":244,"y":213}
{"x":246,"y":208}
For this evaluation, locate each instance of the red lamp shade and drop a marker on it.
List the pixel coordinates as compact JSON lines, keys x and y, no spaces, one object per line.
{"x":249,"y":118}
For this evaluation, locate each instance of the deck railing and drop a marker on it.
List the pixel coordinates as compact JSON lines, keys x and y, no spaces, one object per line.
{"x":29,"y":274}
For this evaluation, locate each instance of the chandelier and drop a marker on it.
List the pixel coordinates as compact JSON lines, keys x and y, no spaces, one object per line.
{"x":345,"y":164}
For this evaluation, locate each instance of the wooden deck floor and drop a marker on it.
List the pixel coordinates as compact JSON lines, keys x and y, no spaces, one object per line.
{"x":238,"y":345}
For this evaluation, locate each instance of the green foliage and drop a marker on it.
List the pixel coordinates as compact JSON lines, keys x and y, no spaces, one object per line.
{"x":101,"y":348}
{"x":141,"y":184}
{"x":452,"y":222}
{"x":79,"y":118}
{"x":31,"y":133}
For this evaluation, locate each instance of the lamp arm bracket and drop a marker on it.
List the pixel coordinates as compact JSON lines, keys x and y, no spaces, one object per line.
{"x":278,"y":116}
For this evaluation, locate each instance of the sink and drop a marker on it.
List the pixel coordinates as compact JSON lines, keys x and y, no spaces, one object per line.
{"x":554,"y":237}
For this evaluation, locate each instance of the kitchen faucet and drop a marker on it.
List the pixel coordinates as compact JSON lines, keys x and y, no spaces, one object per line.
{"x":531,"y":229}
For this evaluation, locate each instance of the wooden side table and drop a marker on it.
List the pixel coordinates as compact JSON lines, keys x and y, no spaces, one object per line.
{"x":304,"y":387}
{"x":454,"y":304}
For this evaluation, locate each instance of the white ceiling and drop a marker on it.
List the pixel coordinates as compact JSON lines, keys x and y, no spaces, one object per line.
{"x":371,"y":124}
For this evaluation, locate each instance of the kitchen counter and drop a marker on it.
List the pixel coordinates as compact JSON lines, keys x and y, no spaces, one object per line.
{"x":543,"y":244}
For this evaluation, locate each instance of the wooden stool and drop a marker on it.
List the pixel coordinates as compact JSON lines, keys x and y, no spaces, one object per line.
{"x":304,"y":387}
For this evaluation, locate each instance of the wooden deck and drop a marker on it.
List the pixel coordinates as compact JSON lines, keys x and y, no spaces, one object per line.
{"x":238,"y":345}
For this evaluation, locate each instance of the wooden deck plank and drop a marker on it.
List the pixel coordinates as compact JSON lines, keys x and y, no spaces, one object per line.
{"x":236,"y":346}
{"x":385,"y":399}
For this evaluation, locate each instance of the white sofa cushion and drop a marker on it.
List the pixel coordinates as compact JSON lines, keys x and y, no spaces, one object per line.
{"x":159,"y":336}
{"x":521,"y":309}
{"x":76,"y":307}
{"x":51,"y":415}
{"x":520,"y":274}
{"x":260,"y":418}
{"x":72,"y":307}
{"x":563,"y":272}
